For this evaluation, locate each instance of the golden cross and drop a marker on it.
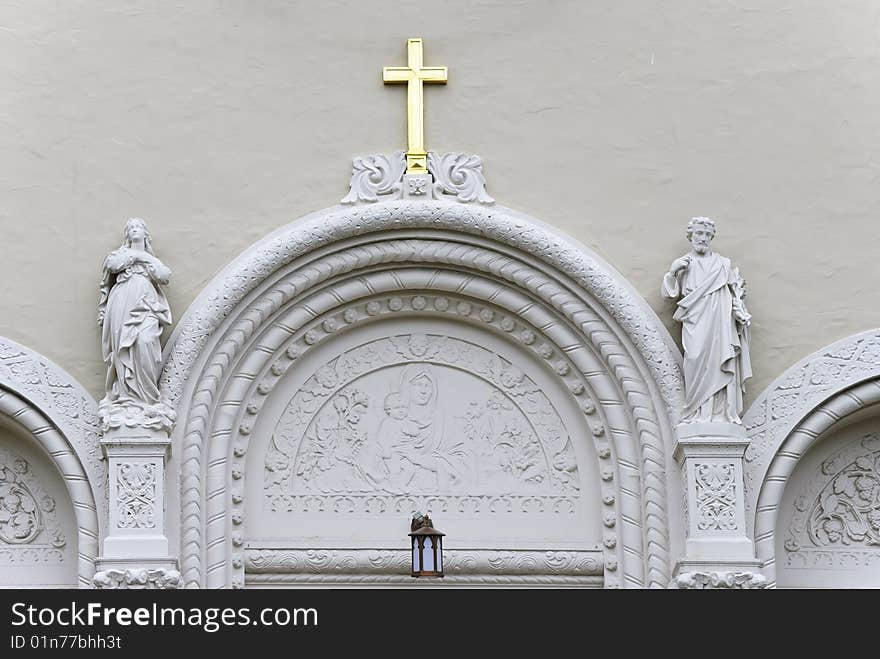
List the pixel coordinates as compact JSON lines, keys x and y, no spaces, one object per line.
{"x":414,"y":74}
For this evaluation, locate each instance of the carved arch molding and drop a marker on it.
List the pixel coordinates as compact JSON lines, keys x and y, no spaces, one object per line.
{"x":509,"y":277}
{"x":60,"y":419}
{"x":796,"y":413}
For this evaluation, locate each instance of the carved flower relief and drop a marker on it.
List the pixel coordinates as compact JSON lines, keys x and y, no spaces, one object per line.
{"x":20,"y":520}
{"x":716,"y":497}
{"x":417,"y":186}
{"x":565,"y":469}
{"x":333,"y":443}
{"x":847,"y":510}
{"x":825,"y":373}
{"x":514,"y":452}
{"x":358,"y":361}
{"x":25,"y":509}
{"x":158,"y":578}
{"x":344,"y":445}
{"x":277,"y":469}
{"x":784,"y":405}
{"x":26,"y":373}
{"x":326,"y":377}
{"x":511,"y":378}
{"x":136,"y":492}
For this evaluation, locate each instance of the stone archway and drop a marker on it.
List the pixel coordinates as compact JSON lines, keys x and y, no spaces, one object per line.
{"x":792,"y":416}
{"x":55,"y":416}
{"x":529,"y":293}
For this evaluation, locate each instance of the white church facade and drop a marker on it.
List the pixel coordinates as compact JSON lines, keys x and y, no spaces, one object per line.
{"x":421,"y":347}
{"x":435,"y":353}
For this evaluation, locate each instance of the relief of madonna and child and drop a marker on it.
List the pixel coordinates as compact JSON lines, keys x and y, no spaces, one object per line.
{"x":422,"y":428}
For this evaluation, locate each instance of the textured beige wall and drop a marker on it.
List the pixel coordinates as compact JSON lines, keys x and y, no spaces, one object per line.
{"x":615,"y":121}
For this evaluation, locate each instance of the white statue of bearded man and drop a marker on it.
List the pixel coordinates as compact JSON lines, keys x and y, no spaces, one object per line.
{"x":714,"y":328}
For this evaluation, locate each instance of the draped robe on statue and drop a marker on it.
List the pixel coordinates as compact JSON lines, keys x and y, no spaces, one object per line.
{"x":716,"y":352}
{"x":135,"y":313}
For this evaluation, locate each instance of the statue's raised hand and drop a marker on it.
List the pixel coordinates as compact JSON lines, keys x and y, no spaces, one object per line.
{"x":680,"y":264}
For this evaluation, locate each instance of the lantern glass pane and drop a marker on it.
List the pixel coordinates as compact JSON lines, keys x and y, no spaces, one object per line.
{"x":428,"y":554}
{"x":415,"y":554}
{"x":439,"y":554}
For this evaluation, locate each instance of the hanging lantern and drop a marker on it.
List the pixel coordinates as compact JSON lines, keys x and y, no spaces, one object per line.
{"x":427,"y":547}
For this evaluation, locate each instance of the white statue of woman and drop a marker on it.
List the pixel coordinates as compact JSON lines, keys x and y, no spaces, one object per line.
{"x":714,"y":328}
{"x":133,"y":312}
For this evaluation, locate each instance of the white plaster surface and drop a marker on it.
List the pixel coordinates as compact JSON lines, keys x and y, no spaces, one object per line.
{"x":220,"y":121}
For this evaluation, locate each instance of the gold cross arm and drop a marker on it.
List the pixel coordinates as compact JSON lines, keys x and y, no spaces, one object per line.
{"x":414,"y":74}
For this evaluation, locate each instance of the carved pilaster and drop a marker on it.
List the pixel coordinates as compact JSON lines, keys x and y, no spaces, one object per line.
{"x":710,"y":455}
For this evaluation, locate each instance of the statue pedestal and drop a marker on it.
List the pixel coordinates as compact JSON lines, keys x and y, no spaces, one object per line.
{"x":710,"y":455}
{"x":135,"y":551}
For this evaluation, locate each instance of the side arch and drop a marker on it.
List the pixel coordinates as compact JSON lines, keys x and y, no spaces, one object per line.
{"x":62,"y":419}
{"x":320,"y":274}
{"x":792,"y":415}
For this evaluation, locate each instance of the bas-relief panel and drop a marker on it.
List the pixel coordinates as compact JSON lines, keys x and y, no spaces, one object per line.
{"x":37,"y":526}
{"x":422,"y":420}
{"x":829,"y":525}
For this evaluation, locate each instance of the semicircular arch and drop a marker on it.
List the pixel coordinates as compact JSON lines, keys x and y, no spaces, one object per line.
{"x":792,"y":415}
{"x":322,"y":275}
{"x":61,"y":417}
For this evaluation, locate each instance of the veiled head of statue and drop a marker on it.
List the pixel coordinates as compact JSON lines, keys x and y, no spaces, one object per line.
{"x":136,"y":230}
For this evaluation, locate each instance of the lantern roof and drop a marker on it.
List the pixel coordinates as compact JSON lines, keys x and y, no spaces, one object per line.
{"x":422,"y":525}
